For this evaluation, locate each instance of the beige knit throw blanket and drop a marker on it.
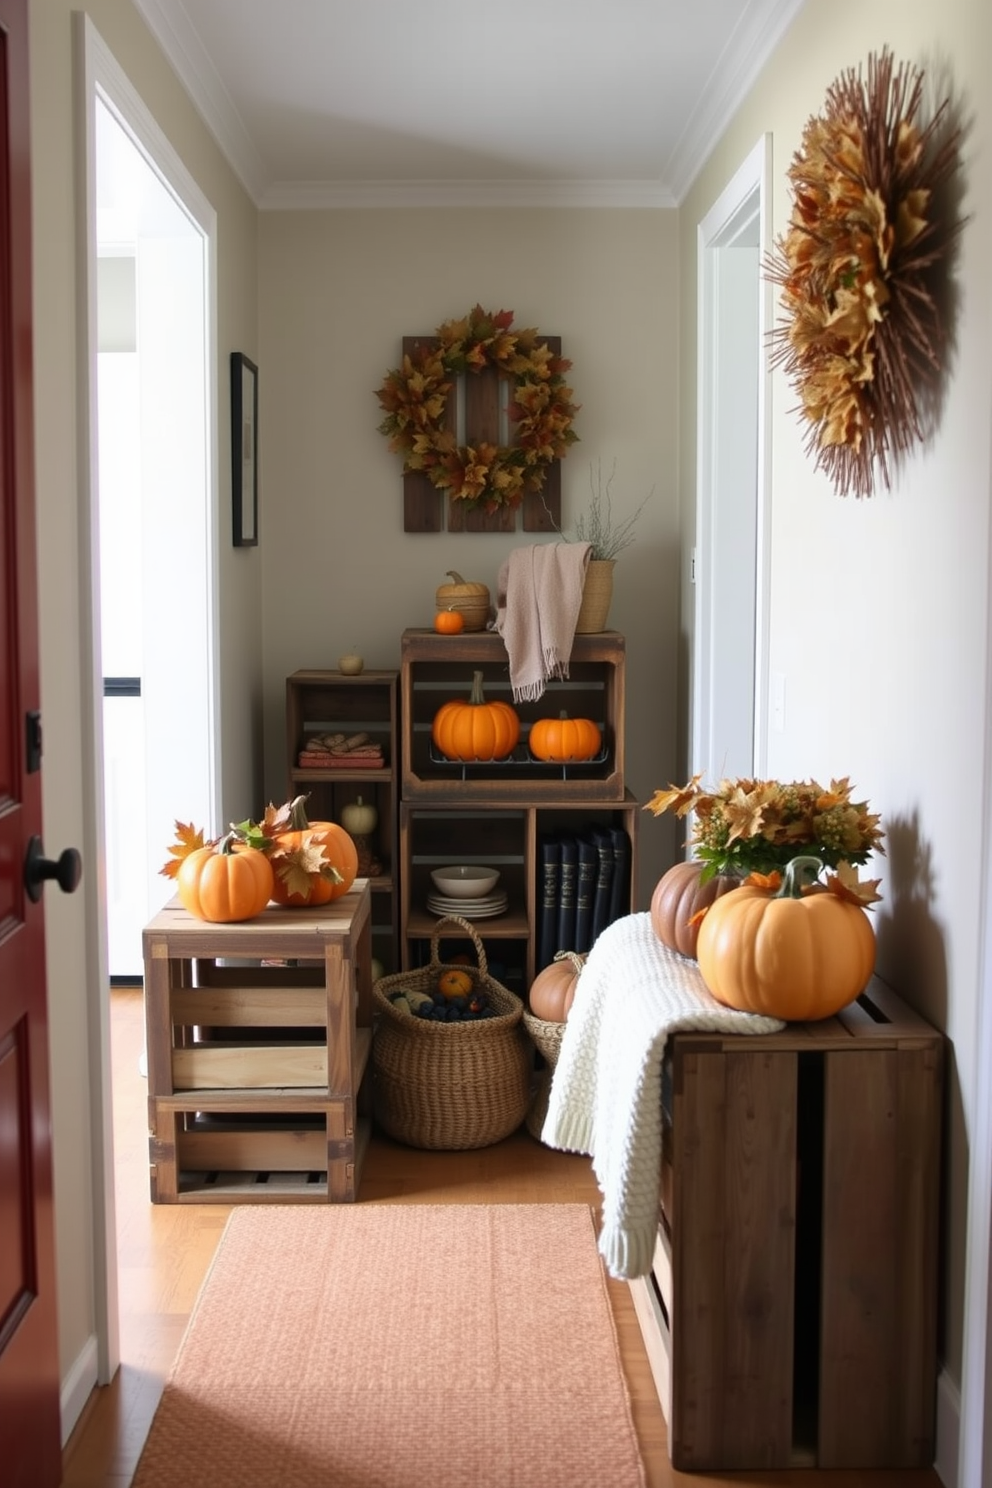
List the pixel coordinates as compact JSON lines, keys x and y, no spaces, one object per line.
{"x":605,"y":1100}
{"x":539,"y":594}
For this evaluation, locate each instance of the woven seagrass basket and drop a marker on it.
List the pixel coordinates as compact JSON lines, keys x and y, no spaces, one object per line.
{"x":449,"y":1086}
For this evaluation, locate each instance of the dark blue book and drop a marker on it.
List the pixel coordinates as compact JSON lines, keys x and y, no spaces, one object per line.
{"x":567,"y":893}
{"x":603,"y":839}
{"x":549,"y":880}
{"x":620,"y":889}
{"x":585,"y":893}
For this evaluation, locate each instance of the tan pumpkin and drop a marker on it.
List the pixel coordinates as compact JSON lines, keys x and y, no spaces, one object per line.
{"x":466,"y":598}
{"x":553,"y":990}
{"x":679,"y":896}
{"x":799,"y":952}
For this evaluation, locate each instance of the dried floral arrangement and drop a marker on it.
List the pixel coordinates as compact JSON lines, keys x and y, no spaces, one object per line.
{"x":758,"y":826}
{"x":607,"y":538}
{"x":541,"y":410}
{"x":861,"y":331}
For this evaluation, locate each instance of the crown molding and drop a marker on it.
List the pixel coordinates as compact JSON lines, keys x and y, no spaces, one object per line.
{"x":750,"y":45}
{"x":170,"y":25}
{"x":283,"y":196}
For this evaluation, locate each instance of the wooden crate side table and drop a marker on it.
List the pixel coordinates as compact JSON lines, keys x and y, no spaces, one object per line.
{"x":258,"y":1039}
{"x":790,"y":1317}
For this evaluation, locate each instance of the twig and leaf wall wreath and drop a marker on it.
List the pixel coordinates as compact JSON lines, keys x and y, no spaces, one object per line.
{"x":861,"y":330}
{"x":540,"y":410}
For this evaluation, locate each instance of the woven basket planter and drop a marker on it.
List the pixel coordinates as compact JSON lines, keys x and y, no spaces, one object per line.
{"x":449,"y":1086}
{"x":597,"y":595}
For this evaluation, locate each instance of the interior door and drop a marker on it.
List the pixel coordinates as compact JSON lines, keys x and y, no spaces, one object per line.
{"x":30,"y":1435}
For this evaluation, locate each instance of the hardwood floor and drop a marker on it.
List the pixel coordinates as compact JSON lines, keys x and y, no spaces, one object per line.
{"x":164,"y":1252}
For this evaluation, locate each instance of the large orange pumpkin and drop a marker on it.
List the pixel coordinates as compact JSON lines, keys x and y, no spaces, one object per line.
{"x":563,"y":738}
{"x":225,"y":882}
{"x":322,"y":885}
{"x":474,"y":729}
{"x":678,"y":896}
{"x":797,"y":953}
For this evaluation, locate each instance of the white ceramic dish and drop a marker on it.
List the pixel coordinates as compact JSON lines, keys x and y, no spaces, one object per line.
{"x":468,"y":909}
{"x":465,"y":881}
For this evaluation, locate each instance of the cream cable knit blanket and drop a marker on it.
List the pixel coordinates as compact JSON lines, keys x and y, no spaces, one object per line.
{"x":606,"y":1091}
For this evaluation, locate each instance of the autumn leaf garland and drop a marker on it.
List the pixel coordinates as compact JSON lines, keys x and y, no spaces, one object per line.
{"x":541,"y":410}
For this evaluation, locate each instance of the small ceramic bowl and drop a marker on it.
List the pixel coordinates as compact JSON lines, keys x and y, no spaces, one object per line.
{"x":464,"y":881}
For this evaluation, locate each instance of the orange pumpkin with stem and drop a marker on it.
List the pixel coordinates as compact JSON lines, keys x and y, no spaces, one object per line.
{"x":313,"y":862}
{"x":225,"y":882}
{"x":475,"y":729}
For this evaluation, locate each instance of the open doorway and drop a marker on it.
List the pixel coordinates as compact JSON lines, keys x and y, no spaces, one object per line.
{"x":148,"y":551}
{"x":152,"y":516}
{"x":730,"y":684}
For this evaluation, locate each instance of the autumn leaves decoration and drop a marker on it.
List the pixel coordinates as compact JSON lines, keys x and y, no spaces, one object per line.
{"x":861,"y":334}
{"x":283,"y":858}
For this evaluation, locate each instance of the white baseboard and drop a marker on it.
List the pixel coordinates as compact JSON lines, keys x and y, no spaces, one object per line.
{"x":77,"y":1386}
{"x":948,"y":1431}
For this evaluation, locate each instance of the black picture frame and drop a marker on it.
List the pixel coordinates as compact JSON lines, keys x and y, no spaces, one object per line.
{"x":244,"y":450}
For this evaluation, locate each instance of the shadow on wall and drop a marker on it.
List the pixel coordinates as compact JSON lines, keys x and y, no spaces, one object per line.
{"x":911,"y":959}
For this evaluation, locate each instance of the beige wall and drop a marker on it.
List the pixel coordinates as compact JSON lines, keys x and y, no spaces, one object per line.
{"x":70,"y":923}
{"x":880,"y":608}
{"x":337,"y":292}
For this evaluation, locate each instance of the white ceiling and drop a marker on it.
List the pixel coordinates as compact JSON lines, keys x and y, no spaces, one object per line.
{"x":502,"y":102}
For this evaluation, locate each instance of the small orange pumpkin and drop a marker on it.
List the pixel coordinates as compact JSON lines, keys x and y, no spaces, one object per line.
{"x":552,"y":991}
{"x":454,"y":983}
{"x":224,"y":883}
{"x":449,"y":622}
{"x":475,"y":730}
{"x":565,"y":738}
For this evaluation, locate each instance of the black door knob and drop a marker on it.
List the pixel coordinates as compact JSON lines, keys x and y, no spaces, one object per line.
{"x":37,"y":868}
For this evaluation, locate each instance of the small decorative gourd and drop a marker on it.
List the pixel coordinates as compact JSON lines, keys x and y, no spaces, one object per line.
{"x":469,"y":599}
{"x":474,"y":729}
{"x":359,"y":818}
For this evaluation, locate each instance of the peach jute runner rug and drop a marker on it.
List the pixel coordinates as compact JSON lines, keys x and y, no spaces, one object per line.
{"x":399,"y":1346}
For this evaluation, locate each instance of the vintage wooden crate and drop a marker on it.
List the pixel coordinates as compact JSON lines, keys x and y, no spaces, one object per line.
{"x":258,"y":1038}
{"x":790,"y":1317}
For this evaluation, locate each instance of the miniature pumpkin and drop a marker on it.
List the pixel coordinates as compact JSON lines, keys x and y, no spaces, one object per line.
{"x":475,"y":730}
{"x":225,"y":882}
{"x":679,"y":896}
{"x":469,"y":599}
{"x":359,"y":818}
{"x":799,"y":952}
{"x":313,"y":862}
{"x":552,"y":991}
{"x":449,"y":622}
{"x":455,"y":983}
{"x":565,"y":738}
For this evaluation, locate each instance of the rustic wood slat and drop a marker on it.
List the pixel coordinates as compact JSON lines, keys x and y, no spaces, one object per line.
{"x":250,"y":1007}
{"x":541,"y":510}
{"x":263,"y":1067}
{"x":255,"y":1151}
{"x":423,"y":503}
{"x":856,"y":1408}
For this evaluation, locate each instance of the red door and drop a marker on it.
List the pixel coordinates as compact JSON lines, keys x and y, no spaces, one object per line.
{"x":30,"y":1449}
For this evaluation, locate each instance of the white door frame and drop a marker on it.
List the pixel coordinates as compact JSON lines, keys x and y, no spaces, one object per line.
{"x":99,"y":74}
{"x":743,"y":211}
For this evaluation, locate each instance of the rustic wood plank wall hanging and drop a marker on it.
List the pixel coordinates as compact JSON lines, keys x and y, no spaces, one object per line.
{"x":481,"y":415}
{"x":424,"y":505}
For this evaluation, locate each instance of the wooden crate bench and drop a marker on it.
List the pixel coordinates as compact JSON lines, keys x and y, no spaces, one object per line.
{"x":258,"y":1040}
{"x":790,"y":1317}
